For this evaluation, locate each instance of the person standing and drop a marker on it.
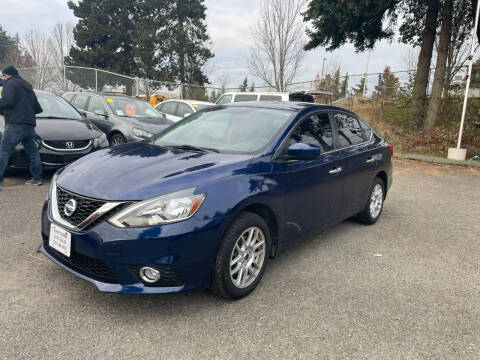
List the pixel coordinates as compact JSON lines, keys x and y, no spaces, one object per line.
{"x":19,"y":105}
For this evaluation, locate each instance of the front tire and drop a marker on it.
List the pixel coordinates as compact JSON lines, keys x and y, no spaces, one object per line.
{"x":373,"y":209}
{"x":117,"y":139}
{"x":242,"y":257}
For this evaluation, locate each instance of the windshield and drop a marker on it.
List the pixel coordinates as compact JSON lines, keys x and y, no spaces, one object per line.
{"x":227,"y":129}
{"x":133,"y":108}
{"x":56,"y":107}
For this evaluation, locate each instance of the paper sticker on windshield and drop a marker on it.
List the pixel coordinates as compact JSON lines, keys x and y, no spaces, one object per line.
{"x":195,"y":105}
{"x":110,"y":100}
{"x":120,"y":112}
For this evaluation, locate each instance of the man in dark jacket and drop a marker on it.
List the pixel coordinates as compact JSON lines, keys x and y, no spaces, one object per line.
{"x":17,"y":105}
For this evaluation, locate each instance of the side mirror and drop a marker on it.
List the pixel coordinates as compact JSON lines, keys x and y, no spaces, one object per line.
{"x":301,"y":151}
{"x":100,"y":113}
{"x":187,"y":114}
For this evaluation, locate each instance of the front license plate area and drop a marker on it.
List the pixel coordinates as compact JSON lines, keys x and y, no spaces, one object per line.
{"x":60,"y":240}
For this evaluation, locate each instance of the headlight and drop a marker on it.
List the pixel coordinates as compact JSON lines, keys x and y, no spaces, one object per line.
{"x":166,"y":209}
{"x":53,"y":184}
{"x":100,"y":141}
{"x":142,"y":133}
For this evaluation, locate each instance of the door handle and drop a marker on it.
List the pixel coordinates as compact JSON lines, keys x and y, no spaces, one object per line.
{"x":371,"y":160}
{"x":336,"y":171}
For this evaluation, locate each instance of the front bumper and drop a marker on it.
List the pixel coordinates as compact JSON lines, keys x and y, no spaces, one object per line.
{"x":110,"y":257}
{"x":50,"y":158}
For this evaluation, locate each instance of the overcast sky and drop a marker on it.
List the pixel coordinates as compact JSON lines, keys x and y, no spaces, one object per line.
{"x":228,"y":25}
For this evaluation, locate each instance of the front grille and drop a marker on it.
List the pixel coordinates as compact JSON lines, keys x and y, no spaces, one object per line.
{"x":67,"y":144}
{"x":168,"y":277}
{"x":85,"y":265}
{"x":60,"y":159}
{"x":85,"y":206}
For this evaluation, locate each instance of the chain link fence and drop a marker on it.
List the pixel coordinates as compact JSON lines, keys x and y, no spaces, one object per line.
{"x":73,"y":78}
{"x":377,"y":85}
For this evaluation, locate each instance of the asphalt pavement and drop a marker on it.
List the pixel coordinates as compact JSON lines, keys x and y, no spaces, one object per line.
{"x":405,"y":288}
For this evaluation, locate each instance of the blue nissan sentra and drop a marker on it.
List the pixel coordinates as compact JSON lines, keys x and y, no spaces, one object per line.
{"x":209,"y":201}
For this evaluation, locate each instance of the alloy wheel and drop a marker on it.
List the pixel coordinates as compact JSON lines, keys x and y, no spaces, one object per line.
{"x":376,"y":201}
{"x":247,"y":257}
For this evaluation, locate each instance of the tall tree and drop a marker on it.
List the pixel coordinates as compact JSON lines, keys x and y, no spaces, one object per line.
{"x":278,"y":52}
{"x":184,"y":43}
{"x":440,"y":69}
{"x":388,"y":84}
{"x":365,"y":22}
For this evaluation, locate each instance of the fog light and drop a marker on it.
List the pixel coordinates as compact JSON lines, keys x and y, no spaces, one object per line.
{"x":149,"y":274}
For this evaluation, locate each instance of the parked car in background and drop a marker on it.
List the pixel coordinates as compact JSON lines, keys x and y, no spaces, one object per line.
{"x":207,"y":202}
{"x":233,"y":97}
{"x":176,"y":110}
{"x":122,"y":118}
{"x":63,"y":134}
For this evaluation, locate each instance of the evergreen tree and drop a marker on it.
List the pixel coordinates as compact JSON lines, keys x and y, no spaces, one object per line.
{"x":184,"y":43}
{"x":5,"y":45}
{"x":244,"y":85}
{"x":358,"y":89}
{"x":252,"y":87}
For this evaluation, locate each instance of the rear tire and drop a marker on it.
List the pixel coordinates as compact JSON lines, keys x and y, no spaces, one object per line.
{"x":242,"y":257}
{"x":373,"y":209}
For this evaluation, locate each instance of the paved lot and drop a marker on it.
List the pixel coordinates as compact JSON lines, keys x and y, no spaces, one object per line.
{"x":406,"y":288}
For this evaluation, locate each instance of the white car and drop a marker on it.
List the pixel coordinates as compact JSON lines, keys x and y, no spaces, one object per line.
{"x":231,"y":97}
{"x":176,"y":110}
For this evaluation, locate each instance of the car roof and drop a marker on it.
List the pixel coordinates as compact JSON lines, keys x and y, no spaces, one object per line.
{"x":101,"y":94}
{"x":44,"y":92}
{"x":255,"y":93}
{"x":190,"y":102}
{"x":286,"y":105}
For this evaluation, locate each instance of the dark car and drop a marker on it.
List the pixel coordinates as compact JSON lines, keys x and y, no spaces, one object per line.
{"x":63,"y":134}
{"x":210,"y":200}
{"x":123,"y":118}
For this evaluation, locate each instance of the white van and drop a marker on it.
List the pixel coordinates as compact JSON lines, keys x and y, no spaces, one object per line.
{"x":231,"y":97}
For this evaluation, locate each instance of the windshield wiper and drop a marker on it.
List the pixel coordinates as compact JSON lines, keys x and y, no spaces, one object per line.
{"x":192,"y":147}
{"x":55,"y":117}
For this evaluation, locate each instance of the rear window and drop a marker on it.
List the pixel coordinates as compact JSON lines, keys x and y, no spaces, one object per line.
{"x":244,"y":97}
{"x":270,"y":98}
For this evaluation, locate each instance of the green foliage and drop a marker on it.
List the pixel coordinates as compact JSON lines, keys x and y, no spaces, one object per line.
{"x":360,"y":22}
{"x":244,"y":85}
{"x":252,"y":87}
{"x":358,"y":89}
{"x":388,"y":85}
{"x":11,"y":51}
{"x":183,"y":43}
{"x":160,"y":39}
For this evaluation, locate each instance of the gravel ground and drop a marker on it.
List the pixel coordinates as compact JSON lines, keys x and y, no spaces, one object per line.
{"x":405,"y":288}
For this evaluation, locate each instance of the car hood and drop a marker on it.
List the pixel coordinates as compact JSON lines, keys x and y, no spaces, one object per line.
{"x":58,"y":129}
{"x":138,"y":171}
{"x":149,"y":124}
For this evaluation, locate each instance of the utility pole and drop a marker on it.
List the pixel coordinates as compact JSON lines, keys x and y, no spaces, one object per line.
{"x":365,"y":76}
{"x":323,"y":67}
{"x":458,"y":153}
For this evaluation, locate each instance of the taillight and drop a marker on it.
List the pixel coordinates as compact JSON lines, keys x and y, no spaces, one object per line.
{"x":390,"y":148}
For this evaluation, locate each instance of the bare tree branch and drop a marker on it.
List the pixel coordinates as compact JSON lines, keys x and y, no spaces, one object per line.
{"x":278,"y":37}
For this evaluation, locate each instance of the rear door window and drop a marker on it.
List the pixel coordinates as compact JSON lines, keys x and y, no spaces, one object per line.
{"x":80,"y":102}
{"x":270,"y":98}
{"x":367,"y":131}
{"x":349,"y":131}
{"x":170,"y":108}
{"x":314,"y":130}
{"x":245,"y":97}
{"x":183,"y":109}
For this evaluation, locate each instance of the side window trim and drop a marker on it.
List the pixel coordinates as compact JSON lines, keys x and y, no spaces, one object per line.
{"x":280,"y":149}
